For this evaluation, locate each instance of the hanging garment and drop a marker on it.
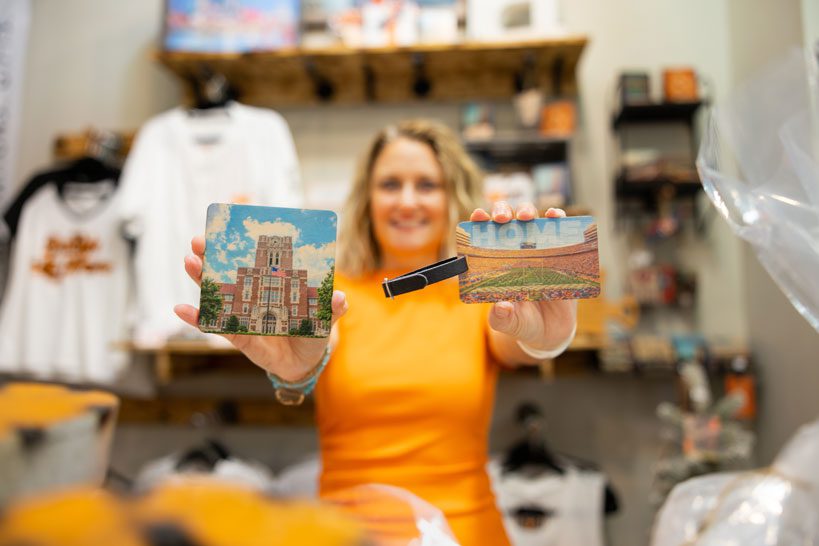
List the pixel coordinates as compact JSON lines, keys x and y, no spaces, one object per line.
{"x":67,"y":294}
{"x":551,"y":509}
{"x":181,"y":163}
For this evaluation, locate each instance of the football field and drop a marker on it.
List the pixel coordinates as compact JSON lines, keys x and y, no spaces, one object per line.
{"x":526,"y":277}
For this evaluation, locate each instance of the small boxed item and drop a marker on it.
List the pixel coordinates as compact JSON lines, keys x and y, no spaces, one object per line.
{"x":634,"y":88}
{"x":680,"y":85}
{"x":558,"y":118}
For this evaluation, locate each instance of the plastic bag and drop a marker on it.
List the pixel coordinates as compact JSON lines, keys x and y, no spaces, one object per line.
{"x":393,"y":516}
{"x":769,"y":127}
{"x":778,"y":505}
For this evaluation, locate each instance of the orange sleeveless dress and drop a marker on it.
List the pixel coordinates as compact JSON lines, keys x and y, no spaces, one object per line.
{"x":406,"y":400}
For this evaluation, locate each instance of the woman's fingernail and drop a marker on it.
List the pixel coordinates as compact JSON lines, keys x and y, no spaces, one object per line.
{"x":503,"y":311}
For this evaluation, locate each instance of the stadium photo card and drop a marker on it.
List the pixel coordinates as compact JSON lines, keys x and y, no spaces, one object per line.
{"x":268,"y":271}
{"x":541,"y":259}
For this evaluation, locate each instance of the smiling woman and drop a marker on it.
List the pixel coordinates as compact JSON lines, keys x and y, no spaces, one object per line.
{"x":413,"y":185}
{"x":386,"y":402}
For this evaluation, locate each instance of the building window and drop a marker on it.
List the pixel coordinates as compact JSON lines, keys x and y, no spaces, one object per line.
{"x":228,"y":297}
{"x":270,"y":296}
{"x":275,"y":282}
{"x":294,"y":284}
{"x":312,"y":301}
{"x":227,"y":309}
{"x":294,"y":296}
{"x":295,"y":310}
{"x":255,"y":310}
{"x":244,"y":321}
{"x":246,"y":294}
{"x":248,"y":281}
{"x":245,"y":308}
{"x":312,"y":313}
{"x":224,"y":322}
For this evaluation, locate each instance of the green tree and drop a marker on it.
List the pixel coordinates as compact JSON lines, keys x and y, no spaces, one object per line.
{"x":233,"y":326}
{"x":210,"y":302}
{"x":325,"y":297}
{"x":305,"y":327}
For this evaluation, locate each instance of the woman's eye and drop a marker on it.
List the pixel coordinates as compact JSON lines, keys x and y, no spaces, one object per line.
{"x":389,"y":184}
{"x":428,"y":185}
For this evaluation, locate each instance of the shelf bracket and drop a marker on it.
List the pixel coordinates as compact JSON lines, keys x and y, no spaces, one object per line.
{"x":322,"y":87}
{"x":421,"y":84}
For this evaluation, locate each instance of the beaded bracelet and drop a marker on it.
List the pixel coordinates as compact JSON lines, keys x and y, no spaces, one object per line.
{"x":292,"y":393}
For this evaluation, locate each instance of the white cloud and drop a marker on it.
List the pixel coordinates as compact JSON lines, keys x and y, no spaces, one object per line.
{"x":218,"y":219}
{"x":218,"y":276}
{"x":316,"y":260}
{"x":248,"y":260}
{"x":254,"y":229}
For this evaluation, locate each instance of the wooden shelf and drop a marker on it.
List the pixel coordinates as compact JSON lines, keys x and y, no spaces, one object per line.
{"x":454,"y":71}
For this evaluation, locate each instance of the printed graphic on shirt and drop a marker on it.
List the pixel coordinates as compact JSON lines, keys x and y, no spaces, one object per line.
{"x":70,"y":256}
{"x":268,"y":271}
{"x":542,"y":259}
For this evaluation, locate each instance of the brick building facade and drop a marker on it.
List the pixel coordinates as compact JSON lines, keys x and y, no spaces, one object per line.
{"x":271,"y":297}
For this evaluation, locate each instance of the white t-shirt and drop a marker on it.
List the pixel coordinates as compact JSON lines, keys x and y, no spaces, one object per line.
{"x":67,"y":294}
{"x":551,"y":509}
{"x":181,"y":163}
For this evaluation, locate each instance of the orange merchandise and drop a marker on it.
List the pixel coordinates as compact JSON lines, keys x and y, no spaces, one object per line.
{"x":680,"y":85}
{"x":407,"y":399}
{"x":558,"y":118}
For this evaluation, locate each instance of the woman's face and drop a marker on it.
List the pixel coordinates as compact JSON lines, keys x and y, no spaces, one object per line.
{"x":408,"y":200}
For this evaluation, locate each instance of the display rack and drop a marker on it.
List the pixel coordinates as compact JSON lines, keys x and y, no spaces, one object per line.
{"x":522,"y":148}
{"x":469,"y":70}
{"x":664,"y":113}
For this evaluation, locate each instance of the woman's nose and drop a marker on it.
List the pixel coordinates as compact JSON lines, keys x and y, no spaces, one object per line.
{"x":409,"y":197}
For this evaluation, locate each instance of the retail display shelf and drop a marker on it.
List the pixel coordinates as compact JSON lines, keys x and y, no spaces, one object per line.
{"x":662,"y":112}
{"x":642,"y":189}
{"x":390,"y":74}
{"x":222,"y":409}
{"x":520,"y":148}
{"x":177,"y":359}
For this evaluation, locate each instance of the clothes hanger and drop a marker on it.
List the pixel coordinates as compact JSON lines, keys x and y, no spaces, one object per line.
{"x":211,"y":91}
{"x":532,"y":451}
{"x":203,"y":457}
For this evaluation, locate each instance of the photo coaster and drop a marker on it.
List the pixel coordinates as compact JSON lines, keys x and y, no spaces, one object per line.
{"x":268,"y":271}
{"x":541,"y":259}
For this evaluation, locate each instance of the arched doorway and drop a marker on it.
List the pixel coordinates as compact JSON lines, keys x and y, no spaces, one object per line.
{"x":269,"y":323}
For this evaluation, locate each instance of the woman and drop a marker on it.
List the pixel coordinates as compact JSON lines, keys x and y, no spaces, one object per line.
{"x":408,"y":394}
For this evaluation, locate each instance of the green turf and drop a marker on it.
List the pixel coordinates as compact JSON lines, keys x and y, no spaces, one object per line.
{"x":531,"y":277}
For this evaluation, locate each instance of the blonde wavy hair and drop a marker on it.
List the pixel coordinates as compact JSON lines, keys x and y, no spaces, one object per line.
{"x":359,"y":253}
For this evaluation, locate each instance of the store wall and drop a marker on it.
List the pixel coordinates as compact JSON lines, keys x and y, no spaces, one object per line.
{"x":89,"y":64}
{"x":785,"y":347}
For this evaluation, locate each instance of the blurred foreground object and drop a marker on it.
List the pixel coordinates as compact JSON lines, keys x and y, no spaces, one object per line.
{"x":52,"y":436}
{"x":185,"y":511}
{"x":776,"y":505}
{"x":769,"y":129}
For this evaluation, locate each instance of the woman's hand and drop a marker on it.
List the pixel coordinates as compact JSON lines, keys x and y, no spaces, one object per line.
{"x":290,"y":358}
{"x":541,"y":325}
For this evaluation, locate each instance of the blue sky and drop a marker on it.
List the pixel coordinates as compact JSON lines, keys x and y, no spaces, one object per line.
{"x":232,"y":231}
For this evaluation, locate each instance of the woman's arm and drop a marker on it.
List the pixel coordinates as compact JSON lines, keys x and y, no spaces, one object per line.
{"x":546,"y":327}
{"x":290,"y":358}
